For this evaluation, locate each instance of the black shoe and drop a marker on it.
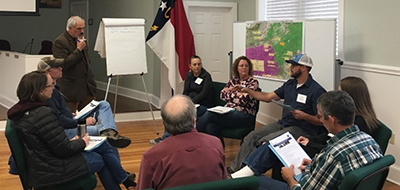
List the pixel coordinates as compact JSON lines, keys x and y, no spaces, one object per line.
{"x":115,"y":139}
{"x":131,"y":176}
{"x":230,"y":170}
{"x":130,"y":181}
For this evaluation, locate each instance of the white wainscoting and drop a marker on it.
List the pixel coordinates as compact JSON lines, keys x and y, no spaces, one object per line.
{"x":130,"y":93}
{"x":134,"y":94}
{"x":269,"y":113}
{"x":383,"y":83}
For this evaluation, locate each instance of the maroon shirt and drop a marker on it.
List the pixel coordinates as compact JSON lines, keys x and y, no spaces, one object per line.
{"x":182,"y":159}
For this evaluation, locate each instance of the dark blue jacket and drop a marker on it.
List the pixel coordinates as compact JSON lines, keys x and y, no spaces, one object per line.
{"x":65,"y":116}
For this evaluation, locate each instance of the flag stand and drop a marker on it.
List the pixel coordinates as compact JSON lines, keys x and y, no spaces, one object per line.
{"x":116,"y":94}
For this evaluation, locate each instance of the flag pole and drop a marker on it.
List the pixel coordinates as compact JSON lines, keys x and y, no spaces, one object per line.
{"x":108,"y":87}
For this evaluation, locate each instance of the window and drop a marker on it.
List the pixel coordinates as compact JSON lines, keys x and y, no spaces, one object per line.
{"x":300,"y":10}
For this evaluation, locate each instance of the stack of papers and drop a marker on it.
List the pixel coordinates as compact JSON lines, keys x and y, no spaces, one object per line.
{"x":221,"y":109}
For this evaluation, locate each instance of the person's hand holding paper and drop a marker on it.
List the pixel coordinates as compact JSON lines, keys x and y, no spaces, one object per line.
{"x":284,"y":106}
{"x":298,"y":114}
{"x":304,"y":164}
{"x":288,"y":175}
{"x":288,"y":172}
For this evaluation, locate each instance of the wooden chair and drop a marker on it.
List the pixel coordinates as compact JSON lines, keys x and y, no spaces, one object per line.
{"x":17,"y":147}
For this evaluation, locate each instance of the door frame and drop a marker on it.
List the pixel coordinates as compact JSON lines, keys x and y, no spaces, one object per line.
{"x":78,"y":2}
{"x":165,"y":91}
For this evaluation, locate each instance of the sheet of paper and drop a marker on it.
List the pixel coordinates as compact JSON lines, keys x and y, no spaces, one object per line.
{"x":289,"y":152}
{"x":221,"y":109}
{"x":89,"y":107}
{"x":94,"y":142}
{"x":290,"y":108}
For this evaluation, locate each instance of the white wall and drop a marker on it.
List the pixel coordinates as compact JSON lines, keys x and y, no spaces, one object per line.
{"x":372,"y":31}
{"x":370,"y":45}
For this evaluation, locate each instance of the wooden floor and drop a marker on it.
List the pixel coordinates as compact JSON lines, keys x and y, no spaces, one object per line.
{"x":140,"y":132}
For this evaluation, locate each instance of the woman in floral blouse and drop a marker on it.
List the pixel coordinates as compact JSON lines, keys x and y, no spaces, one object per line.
{"x":245,"y":105}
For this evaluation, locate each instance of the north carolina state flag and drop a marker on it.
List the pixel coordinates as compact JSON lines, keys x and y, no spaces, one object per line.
{"x":171,"y":38}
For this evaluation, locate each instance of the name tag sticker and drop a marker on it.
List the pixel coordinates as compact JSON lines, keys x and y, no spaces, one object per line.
{"x":301,"y":98}
{"x":198,"y":81}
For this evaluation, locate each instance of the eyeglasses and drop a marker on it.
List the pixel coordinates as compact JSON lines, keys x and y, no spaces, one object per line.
{"x":50,"y":85}
{"x":243,"y":65}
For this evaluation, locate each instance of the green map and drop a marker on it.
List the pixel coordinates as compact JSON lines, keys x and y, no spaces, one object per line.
{"x":269,"y":44}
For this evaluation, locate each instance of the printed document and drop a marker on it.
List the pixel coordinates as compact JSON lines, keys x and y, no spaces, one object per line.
{"x":89,"y":107}
{"x":289,"y":152}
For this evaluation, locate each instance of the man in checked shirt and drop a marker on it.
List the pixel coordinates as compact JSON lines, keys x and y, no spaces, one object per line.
{"x":346,"y":151}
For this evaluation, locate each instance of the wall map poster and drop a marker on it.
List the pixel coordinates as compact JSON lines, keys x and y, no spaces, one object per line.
{"x":269,"y":44}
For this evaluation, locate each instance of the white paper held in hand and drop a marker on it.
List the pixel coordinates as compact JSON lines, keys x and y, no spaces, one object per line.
{"x":94,"y":142}
{"x":89,"y":107}
{"x":284,"y":106}
{"x":289,"y":152}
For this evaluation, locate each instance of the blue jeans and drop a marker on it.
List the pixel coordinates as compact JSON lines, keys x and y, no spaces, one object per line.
{"x":104,"y":117}
{"x":213,"y":123}
{"x":105,"y":120}
{"x":267,"y":183}
{"x":261,"y":160}
{"x":107,"y":166}
{"x":200,"y":111}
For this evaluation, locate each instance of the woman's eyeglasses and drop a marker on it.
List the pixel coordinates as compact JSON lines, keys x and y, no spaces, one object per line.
{"x":243,"y":65}
{"x":50,"y":85}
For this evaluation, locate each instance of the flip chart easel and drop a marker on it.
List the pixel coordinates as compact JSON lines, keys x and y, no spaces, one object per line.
{"x":121,"y":40}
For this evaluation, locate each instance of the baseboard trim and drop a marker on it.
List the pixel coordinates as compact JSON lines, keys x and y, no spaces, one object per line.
{"x":6,"y":101}
{"x":3,"y":125}
{"x":265,"y":119}
{"x":137,"y":116}
{"x":130,"y":93}
{"x":394,"y":174}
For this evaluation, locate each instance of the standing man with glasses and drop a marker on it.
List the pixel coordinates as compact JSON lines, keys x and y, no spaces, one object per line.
{"x":78,"y":84}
